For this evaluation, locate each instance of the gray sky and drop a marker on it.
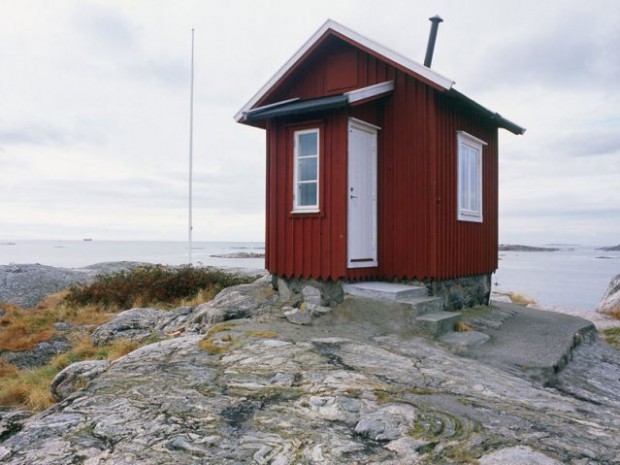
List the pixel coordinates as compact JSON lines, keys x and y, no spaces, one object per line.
{"x":94,"y":100}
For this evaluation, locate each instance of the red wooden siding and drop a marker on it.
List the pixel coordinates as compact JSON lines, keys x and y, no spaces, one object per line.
{"x":465,"y":248}
{"x":307,"y":244}
{"x":419,"y":236}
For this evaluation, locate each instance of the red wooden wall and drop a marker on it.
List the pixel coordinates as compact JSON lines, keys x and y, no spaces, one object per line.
{"x":419,"y":235}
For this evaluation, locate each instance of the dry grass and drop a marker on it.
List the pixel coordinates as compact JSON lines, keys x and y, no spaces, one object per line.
{"x":214,"y":344}
{"x":219,"y":347}
{"x":615,"y":314}
{"x":264,"y":334}
{"x":121,"y":347}
{"x":462,"y":327}
{"x":7,"y":369}
{"x":517,"y":298}
{"x":24,"y":329}
{"x":29,"y":389}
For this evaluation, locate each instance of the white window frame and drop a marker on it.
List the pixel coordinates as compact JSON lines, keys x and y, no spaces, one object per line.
{"x":306,"y":208}
{"x":467,"y":212}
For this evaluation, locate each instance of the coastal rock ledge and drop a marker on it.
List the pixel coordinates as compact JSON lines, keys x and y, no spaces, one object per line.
{"x":26,"y":285}
{"x":261,"y":390}
{"x":610,"y":303}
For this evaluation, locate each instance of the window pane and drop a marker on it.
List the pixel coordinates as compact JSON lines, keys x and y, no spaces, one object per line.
{"x":308,"y":144}
{"x":464,"y":194}
{"x":474,"y":180}
{"x":307,"y":194}
{"x":307,"y":169}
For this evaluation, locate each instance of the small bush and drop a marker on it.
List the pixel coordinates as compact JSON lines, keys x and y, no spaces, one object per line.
{"x":151,"y":285}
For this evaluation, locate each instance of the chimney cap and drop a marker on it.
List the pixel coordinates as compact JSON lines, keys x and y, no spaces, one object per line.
{"x":436,"y":18}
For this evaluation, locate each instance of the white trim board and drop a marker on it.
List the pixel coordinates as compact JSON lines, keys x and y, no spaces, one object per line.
{"x":370,"y":91}
{"x":380,"y":50}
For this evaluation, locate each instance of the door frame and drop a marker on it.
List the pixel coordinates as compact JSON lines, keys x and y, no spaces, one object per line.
{"x":358,"y":124}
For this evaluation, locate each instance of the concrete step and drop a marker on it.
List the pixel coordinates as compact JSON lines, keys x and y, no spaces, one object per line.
{"x":423,"y":305}
{"x":385,"y":291}
{"x":437,"y":323}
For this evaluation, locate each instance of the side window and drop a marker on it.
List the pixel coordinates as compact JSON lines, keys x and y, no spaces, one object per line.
{"x":469,"y":165}
{"x":306,"y":171}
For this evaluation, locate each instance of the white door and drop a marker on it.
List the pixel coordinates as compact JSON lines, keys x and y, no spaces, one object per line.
{"x":362,"y":194}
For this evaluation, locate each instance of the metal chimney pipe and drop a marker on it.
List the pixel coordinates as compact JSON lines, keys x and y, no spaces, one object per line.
{"x":430,"y":48}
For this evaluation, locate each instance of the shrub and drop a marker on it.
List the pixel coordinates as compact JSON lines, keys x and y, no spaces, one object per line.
{"x":150,"y":285}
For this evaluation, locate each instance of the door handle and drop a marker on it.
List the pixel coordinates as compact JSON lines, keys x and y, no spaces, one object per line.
{"x":353,"y":197}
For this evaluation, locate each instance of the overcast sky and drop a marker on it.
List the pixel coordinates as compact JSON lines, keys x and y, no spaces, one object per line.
{"x":94,"y":109}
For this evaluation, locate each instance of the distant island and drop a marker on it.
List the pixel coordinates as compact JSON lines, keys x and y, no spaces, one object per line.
{"x":240,"y":255}
{"x":613,"y":248}
{"x":524,"y":248}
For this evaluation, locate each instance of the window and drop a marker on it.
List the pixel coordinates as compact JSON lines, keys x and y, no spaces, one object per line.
{"x":469,"y":177}
{"x":306,"y":171}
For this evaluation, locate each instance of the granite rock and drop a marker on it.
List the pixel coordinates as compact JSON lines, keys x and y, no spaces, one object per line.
{"x":610,"y":302}
{"x":331,"y":392}
{"x":76,"y":376}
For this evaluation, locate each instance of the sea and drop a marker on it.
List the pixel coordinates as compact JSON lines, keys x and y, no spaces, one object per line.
{"x":574,"y":277}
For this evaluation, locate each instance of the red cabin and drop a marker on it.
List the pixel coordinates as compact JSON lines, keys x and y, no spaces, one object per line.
{"x":376,"y":166}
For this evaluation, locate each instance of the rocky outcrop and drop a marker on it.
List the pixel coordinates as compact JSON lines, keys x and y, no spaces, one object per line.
{"x":76,"y":376}
{"x":331,"y":392}
{"x":41,"y":354}
{"x":610,"y":303}
{"x":244,"y":301}
{"x":524,"y":248}
{"x":613,"y":248}
{"x":26,"y":285}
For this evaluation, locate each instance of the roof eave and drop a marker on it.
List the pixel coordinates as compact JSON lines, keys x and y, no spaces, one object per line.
{"x":496,"y":117}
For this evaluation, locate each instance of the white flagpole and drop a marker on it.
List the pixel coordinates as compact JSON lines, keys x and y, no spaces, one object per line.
{"x":191,"y":146}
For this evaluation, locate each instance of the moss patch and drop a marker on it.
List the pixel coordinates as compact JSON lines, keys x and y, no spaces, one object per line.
{"x":612,"y":337}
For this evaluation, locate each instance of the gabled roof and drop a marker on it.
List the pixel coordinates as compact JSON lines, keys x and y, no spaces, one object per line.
{"x":362,"y":42}
{"x":411,"y":67}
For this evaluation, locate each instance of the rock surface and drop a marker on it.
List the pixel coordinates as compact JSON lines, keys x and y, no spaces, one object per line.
{"x":41,"y":354}
{"x":136,"y":324}
{"x":76,"y":376}
{"x":328,"y":393}
{"x":26,"y":285}
{"x":610,"y":303}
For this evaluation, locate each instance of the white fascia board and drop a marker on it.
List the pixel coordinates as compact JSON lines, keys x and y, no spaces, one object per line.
{"x":370,"y":91}
{"x":470,"y":138}
{"x":411,"y":65}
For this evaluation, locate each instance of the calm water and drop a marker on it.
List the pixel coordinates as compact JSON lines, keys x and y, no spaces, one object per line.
{"x":81,"y":253}
{"x":573,"y":279}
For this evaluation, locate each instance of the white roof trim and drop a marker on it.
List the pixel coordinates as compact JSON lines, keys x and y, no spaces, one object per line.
{"x":468,"y":136}
{"x":370,"y":91}
{"x":411,"y":65}
{"x":276,"y":104}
